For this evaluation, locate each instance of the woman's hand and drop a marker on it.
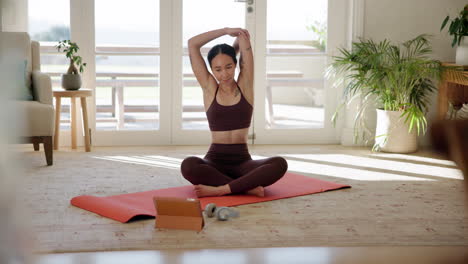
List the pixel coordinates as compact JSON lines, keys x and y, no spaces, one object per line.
{"x":235,"y":32}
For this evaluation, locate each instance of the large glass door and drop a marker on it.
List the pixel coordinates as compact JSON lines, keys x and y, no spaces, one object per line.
{"x":190,"y":125}
{"x":294,"y":39}
{"x":292,"y":43}
{"x":145,"y":92}
{"x":131,"y":86}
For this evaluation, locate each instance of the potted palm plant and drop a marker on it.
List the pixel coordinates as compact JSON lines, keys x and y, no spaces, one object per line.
{"x":399,"y":79}
{"x":458,"y":29}
{"x":72,"y":79}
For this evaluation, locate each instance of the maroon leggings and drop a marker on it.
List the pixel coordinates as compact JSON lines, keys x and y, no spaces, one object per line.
{"x":231,"y":164}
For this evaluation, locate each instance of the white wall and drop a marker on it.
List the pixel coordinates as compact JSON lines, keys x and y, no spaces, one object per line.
{"x":14,"y":15}
{"x":401,"y":20}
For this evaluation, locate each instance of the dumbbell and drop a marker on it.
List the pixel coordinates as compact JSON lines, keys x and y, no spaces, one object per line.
{"x":222,"y":213}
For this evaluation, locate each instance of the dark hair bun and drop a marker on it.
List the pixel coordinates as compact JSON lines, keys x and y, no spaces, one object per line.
{"x":224,"y":49}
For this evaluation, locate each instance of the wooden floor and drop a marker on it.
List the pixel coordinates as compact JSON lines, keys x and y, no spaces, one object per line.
{"x":322,"y":255}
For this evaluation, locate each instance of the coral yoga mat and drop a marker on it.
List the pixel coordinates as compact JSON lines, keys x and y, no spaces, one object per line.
{"x":124,"y":207}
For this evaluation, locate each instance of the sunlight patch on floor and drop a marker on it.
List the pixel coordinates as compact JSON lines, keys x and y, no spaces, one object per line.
{"x":410,"y":158}
{"x":338,"y":171}
{"x":333,"y":165}
{"x":389,"y":165}
{"x":149,"y":160}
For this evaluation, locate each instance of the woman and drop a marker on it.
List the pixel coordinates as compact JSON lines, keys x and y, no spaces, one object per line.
{"x":227,"y":167}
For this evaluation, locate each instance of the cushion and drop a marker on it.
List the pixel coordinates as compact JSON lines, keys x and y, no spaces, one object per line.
{"x":23,"y":84}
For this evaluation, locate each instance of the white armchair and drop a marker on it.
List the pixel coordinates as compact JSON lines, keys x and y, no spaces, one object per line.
{"x":34,"y":119}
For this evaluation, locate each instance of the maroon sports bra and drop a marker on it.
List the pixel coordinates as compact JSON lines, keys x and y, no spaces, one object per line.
{"x":229,"y":117}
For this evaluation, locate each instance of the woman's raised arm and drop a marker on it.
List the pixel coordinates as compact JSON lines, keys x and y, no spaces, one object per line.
{"x":235,"y":45}
{"x":196,"y":59}
{"x":246,"y":75}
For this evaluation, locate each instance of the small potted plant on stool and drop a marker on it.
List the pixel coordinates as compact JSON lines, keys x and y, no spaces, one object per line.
{"x":72,"y":79}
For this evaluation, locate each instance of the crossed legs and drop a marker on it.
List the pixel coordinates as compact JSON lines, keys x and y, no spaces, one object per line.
{"x":212,"y":179}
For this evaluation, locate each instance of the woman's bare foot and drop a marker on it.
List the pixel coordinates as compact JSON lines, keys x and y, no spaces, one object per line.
{"x":206,"y":190}
{"x":257,"y":191}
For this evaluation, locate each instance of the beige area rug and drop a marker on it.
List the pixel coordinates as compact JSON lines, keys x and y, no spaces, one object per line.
{"x":395,"y":199}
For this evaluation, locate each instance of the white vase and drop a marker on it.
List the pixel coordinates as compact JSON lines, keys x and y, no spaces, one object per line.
{"x":391,"y":134}
{"x":461,"y":56}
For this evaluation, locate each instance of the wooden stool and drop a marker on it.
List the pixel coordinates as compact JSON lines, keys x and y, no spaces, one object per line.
{"x":82,"y":94}
{"x":451,"y":90}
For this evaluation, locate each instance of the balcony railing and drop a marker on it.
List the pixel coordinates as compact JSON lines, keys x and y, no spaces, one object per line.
{"x":117,"y":81}
{"x":287,"y":48}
